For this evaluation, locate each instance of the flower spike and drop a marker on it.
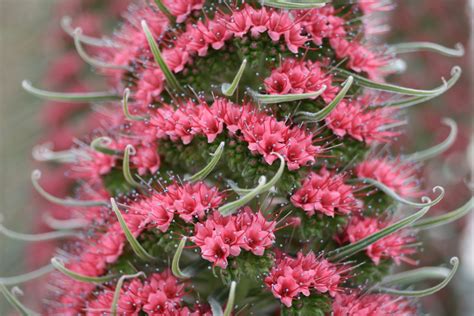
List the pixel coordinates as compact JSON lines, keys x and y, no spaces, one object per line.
{"x":446,"y":218}
{"x":126,"y":111}
{"x":229,"y":89}
{"x":351,"y":249}
{"x":176,"y":258}
{"x":127,"y":174}
{"x":402,"y":48}
{"x":282,"y":98}
{"x":136,"y":247}
{"x":216,"y":156}
{"x":170,"y":78}
{"x":421,"y":293}
{"x":36,"y":175}
{"x":426,"y":202}
{"x":262,"y":187}
{"x":59,"y":265}
{"x":69,"y":97}
{"x":295,"y":4}
{"x":439,"y":148}
{"x":90,"y":60}
{"x":26,"y":276}
{"x":367,"y":83}
{"x":100,"y":144}
{"x":323,"y":113}
{"x":13,"y":300}
{"x":36,"y":237}
{"x":67,"y":27}
{"x":118,"y":288}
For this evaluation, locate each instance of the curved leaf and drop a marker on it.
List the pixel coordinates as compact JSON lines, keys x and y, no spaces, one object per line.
{"x":127,"y":174}
{"x":26,"y":276}
{"x":176,"y":258}
{"x":295,"y":4}
{"x":37,"y":237}
{"x":100,"y":42}
{"x":126,"y":111}
{"x":100,"y":144}
{"x":282,"y":98}
{"x":402,"y":48}
{"x":229,"y":89}
{"x":118,"y":288}
{"x":216,"y":156}
{"x":446,"y":218}
{"x":16,"y":303}
{"x":59,"y":265}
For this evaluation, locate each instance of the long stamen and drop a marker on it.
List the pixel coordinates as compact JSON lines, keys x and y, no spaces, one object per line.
{"x":36,"y":175}
{"x":69,"y":97}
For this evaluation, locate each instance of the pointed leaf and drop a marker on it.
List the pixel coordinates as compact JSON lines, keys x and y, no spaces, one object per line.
{"x":295,"y":4}
{"x":127,"y":174}
{"x":59,"y":265}
{"x":27,"y":276}
{"x":402,"y":48}
{"x":282,"y":98}
{"x":229,"y":89}
{"x":100,"y":144}
{"x":126,"y":111}
{"x":99,"y":42}
{"x":37,"y":237}
{"x":176,"y":258}
{"x":446,"y":218}
{"x":118,"y":288}
{"x":216,"y":156}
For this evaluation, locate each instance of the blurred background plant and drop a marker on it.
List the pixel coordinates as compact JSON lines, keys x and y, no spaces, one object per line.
{"x":32,"y":43}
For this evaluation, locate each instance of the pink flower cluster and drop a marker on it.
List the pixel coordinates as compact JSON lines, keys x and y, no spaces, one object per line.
{"x":395,"y":246}
{"x":399,"y":176}
{"x":356,"y":119}
{"x":159,"y":294}
{"x":264,"y":134}
{"x":220,"y":237}
{"x":300,"y":76}
{"x":182,"y":8}
{"x":357,"y":304}
{"x":294,"y":276}
{"x":322,"y":23}
{"x":326,"y":193}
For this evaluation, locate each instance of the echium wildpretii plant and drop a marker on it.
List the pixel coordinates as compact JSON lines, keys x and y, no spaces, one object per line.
{"x":246,"y":169}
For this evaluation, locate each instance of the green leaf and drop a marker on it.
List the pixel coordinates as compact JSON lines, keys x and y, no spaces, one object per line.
{"x":126,"y":111}
{"x":230,"y":301}
{"x":69,"y":97}
{"x":59,"y":265}
{"x":170,"y":78}
{"x":229,"y":89}
{"x":165,"y":10}
{"x":295,"y":4}
{"x":36,"y":175}
{"x":446,"y":218}
{"x":27,"y":276}
{"x":16,"y":303}
{"x":282,"y":98}
{"x":439,"y":148}
{"x":402,"y":48}
{"x":176,"y":258}
{"x":351,"y":249}
{"x":216,"y":156}
{"x":100,"y":144}
{"x":323,"y":113}
{"x":36,"y":237}
{"x":416,"y":275}
{"x":44,"y":153}
{"x":421,"y":293}
{"x":136,"y":247}
{"x":127,"y":174}
{"x":89,"y":40}
{"x":118,"y":288}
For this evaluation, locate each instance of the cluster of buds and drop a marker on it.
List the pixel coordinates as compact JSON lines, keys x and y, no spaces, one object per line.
{"x":293,"y":213}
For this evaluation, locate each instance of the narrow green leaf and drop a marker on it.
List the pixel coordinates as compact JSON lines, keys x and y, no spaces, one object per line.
{"x":100,"y":144}
{"x":402,"y":48}
{"x":36,"y":237}
{"x":118,"y":288}
{"x":230,"y":301}
{"x":127,"y":174}
{"x":367,"y":83}
{"x":59,"y":265}
{"x":170,"y":78}
{"x":99,"y":42}
{"x":262,"y":187}
{"x":446,"y":218}
{"x":323,"y":113}
{"x":439,"y":148}
{"x":416,"y":275}
{"x":176,"y":258}
{"x":64,"y":224}
{"x":216,"y":308}
{"x":26,"y":276}
{"x":382,"y":187}
{"x":282,"y":98}
{"x":16,"y":303}
{"x":69,"y":97}
{"x":88,"y":59}
{"x":136,"y":247}
{"x":216,"y":156}
{"x":295,"y":4}
{"x":126,"y":111}
{"x":229,"y":89}
{"x":351,"y":249}
{"x":44,"y":153}
{"x":165,"y":10}
{"x":421,"y":293}
{"x":36,"y":175}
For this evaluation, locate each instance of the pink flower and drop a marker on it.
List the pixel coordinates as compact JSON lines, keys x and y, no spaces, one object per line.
{"x":215,"y":33}
{"x":394,"y":246}
{"x":277,"y":83}
{"x":146,"y":159}
{"x":182,"y":8}
{"x":278,"y":24}
{"x":176,"y":58}
{"x":322,"y":23}
{"x":150,"y":86}
{"x":258,"y":19}
{"x":238,"y":23}
{"x":358,"y":304}
{"x":209,"y":123}
{"x":216,"y":251}
{"x":294,"y":40}
{"x":325,"y":192}
{"x":398,"y":176}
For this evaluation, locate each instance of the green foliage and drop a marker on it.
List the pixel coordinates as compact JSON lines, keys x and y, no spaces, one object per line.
{"x":313,"y":305}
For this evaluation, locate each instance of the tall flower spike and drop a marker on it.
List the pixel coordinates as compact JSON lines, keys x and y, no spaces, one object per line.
{"x":136,"y":247}
{"x":403,"y":48}
{"x":126,"y":111}
{"x":216,"y":156}
{"x":351,"y":249}
{"x":282,"y":98}
{"x":439,"y":148}
{"x":229,"y":89}
{"x":59,"y":265}
{"x":88,"y":59}
{"x":69,"y":97}
{"x":36,"y":175}
{"x":421,"y":293}
{"x":170,"y":78}
{"x":323,"y":113}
